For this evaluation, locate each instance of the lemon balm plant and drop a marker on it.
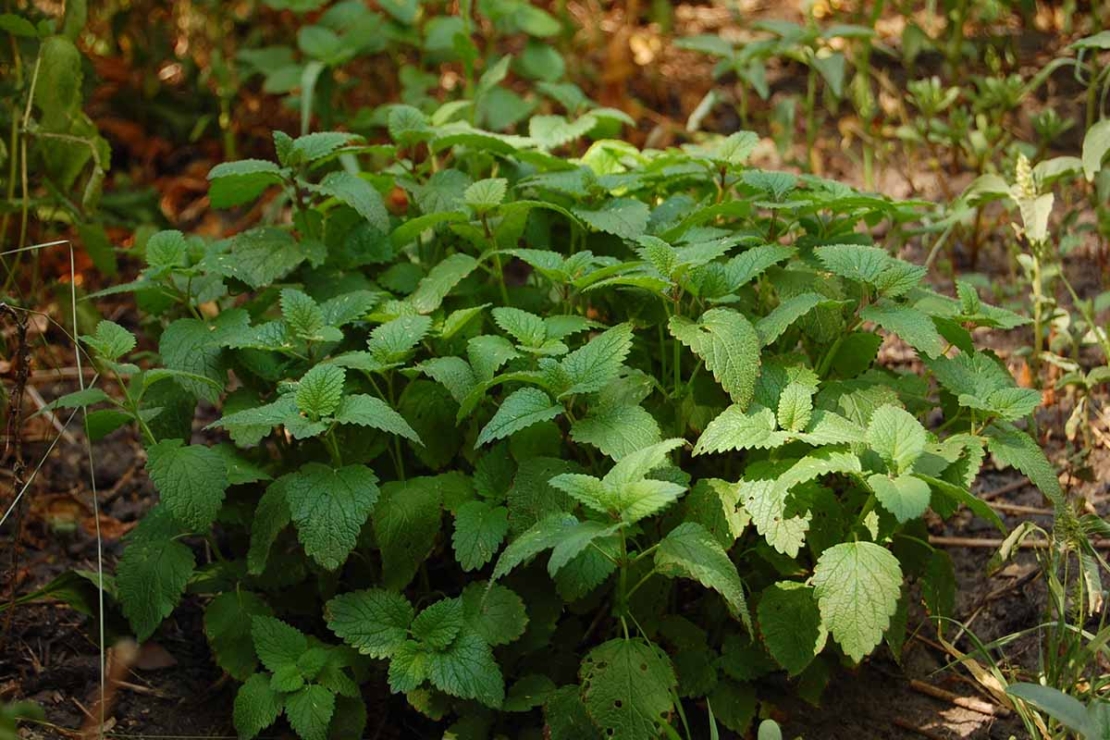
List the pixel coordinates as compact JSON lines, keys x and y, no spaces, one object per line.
{"x":552,"y":444}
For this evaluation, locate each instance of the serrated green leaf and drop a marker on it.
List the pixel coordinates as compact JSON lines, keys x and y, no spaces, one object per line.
{"x":520,"y":410}
{"x":555,"y":131}
{"x":110,"y":341}
{"x":617,"y":430}
{"x":467,"y":670}
{"x":479,"y":529}
{"x":736,"y":148}
{"x":906,"y":496}
{"x":737,"y":429}
{"x":765,"y":501}
{"x":543,"y":535}
{"x":314,"y":146}
{"x":729,"y":346}
{"x":374,"y":622}
{"x":829,"y":428}
{"x":795,"y":407}
{"x":494,"y":612}
{"x":791,"y":625}
{"x":623,"y":217}
{"x":487,"y":353}
{"x":310,"y":711}
{"x":577,"y":539}
{"x":854,"y":261}
{"x":270,"y":517}
{"x":259,"y":257}
{"x":749,"y":265}
{"x":329,"y":507}
{"x":773,"y":325}
{"x":235,"y":183}
{"x":277,"y":644}
{"x":1011,"y":446}
{"x":453,"y":373}
{"x":897,"y":436}
{"x":627,"y":687}
{"x":857,"y":586}
{"x":257,"y":706}
{"x":153,"y":571}
{"x":227,"y":624}
{"x":527,"y":328}
{"x":370,"y":411}
{"x":1010,"y":404}
{"x":592,"y":366}
{"x":485,"y":195}
{"x":565,"y":716}
{"x":320,"y":391}
{"x":190,"y":345}
{"x":438,"y":625}
{"x":690,"y":551}
{"x":431,"y":291}
{"x":358,"y":194}
{"x":408,"y":668}
{"x":191,"y":480}
{"x":406,"y":522}
{"x":913,"y":326}
{"x":300,"y":312}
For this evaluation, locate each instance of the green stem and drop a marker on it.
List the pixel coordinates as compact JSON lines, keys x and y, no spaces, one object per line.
{"x":811,"y":118}
{"x":1038,"y":291}
{"x":333,"y":449}
{"x":639,"y":583}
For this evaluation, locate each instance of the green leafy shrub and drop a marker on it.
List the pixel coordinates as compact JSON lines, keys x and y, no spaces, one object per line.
{"x":53,"y":160}
{"x":548,"y":442}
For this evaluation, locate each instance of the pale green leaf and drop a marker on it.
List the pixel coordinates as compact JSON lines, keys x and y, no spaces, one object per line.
{"x":320,"y":391}
{"x":795,"y":407}
{"x":543,"y":535}
{"x":1096,"y":144}
{"x":728,"y":344}
{"x":737,"y":429}
{"x":906,"y":496}
{"x":627,"y":686}
{"x":854,"y":261}
{"x":857,"y":585}
{"x":897,"y":436}
{"x":623,"y":217}
{"x":766,"y":502}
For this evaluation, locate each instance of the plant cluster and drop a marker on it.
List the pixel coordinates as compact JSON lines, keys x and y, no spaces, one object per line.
{"x":53,"y":160}
{"x":581,"y":446}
